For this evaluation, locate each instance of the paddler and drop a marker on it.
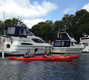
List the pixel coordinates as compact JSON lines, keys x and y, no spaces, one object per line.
{"x":27,"y":54}
{"x":46,"y":55}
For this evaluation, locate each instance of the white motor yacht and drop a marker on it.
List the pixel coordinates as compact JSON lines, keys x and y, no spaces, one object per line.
{"x":85,"y":41}
{"x":66,"y":44}
{"x":15,"y":40}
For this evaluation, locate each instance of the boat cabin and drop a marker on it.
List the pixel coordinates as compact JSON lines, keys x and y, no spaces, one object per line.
{"x":85,"y":40}
{"x":16,"y":31}
{"x":62,"y":40}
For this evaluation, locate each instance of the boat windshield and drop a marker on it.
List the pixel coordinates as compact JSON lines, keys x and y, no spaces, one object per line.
{"x":38,"y":40}
{"x":63,"y":34}
{"x":22,"y":31}
{"x":29,"y":33}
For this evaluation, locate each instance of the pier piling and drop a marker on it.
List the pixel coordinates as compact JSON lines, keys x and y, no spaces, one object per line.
{"x":3,"y":55}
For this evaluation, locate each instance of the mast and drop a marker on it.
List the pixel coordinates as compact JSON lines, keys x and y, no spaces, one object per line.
{"x":4,"y":17}
{"x":58,"y":33}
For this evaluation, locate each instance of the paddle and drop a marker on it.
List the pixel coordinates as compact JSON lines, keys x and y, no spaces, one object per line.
{"x":35,"y":51}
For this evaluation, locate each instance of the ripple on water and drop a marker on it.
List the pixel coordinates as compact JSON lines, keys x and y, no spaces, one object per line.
{"x":45,"y":70}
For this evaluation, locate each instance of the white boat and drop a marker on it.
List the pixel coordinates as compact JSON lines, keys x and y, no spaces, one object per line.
{"x":15,"y":40}
{"x":66,"y":44}
{"x":85,"y":41}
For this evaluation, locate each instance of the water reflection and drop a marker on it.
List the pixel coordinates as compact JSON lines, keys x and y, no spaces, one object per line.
{"x":48,"y":70}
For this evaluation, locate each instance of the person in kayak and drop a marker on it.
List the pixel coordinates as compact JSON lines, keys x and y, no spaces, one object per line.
{"x":46,"y":54}
{"x":27,"y":54}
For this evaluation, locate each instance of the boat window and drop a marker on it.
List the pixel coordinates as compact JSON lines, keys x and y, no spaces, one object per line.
{"x":61,"y":44}
{"x":57,"y":43}
{"x":26,"y":44}
{"x":38,"y":40}
{"x":11,"y":30}
{"x":2,"y":32}
{"x":84,"y":38}
{"x":67,"y":43}
{"x":29,"y":33}
{"x":22,"y":32}
{"x":86,"y":44}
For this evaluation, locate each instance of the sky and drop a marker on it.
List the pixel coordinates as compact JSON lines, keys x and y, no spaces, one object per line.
{"x":32,"y":12}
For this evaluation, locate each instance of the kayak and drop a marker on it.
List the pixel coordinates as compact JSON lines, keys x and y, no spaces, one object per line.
{"x":53,"y":58}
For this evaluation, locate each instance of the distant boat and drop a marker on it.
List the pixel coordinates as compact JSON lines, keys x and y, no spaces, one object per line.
{"x":85,"y":41}
{"x":66,"y":44}
{"x":15,"y":40}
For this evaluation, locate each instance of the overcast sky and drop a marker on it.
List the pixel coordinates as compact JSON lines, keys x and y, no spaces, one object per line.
{"x":33,"y":11}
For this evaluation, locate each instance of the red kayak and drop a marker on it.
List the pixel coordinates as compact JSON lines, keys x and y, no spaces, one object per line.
{"x":53,"y":58}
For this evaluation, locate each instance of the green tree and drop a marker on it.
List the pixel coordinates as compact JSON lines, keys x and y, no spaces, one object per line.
{"x":81,"y":23}
{"x":76,"y":25}
{"x":14,"y":21}
{"x":44,"y":30}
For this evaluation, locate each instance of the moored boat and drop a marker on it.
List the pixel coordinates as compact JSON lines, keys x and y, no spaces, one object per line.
{"x":66,"y":44}
{"x":85,"y":41}
{"x":15,"y":40}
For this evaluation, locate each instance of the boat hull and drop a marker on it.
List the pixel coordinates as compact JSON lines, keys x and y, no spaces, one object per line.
{"x":53,"y":58}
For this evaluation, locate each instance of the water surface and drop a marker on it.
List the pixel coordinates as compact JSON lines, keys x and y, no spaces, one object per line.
{"x":45,"y":70}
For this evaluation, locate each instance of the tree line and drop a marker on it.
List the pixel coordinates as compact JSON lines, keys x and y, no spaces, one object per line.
{"x":76,"y":25}
{"x":10,"y":22}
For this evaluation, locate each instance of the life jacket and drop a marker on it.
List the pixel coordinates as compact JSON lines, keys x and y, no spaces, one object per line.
{"x":45,"y":55}
{"x":26,"y":53}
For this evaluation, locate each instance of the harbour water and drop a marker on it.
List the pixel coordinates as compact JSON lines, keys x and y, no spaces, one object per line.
{"x":45,"y":70}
